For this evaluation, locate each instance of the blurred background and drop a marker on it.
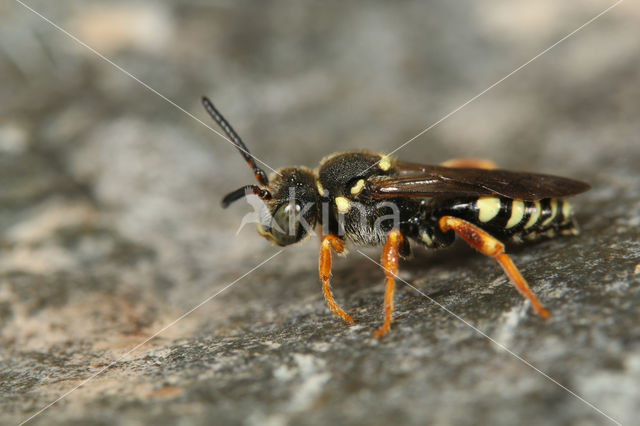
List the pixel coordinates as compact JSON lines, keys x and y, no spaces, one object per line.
{"x":111,"y":225}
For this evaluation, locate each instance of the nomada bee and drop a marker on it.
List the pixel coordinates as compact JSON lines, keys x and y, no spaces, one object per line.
{"x":372,"y":199}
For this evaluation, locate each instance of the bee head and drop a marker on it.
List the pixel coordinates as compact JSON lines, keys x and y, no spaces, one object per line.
{"x":290,"y":197}
{"x":292,"y":212}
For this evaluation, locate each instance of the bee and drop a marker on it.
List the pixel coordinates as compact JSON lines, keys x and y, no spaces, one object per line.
{"x":374,"y":200}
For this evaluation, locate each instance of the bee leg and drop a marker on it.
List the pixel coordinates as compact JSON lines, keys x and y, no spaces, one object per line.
{"x":470,"y":163}
{"x":389,"y":261}
{"x":329,"y":242}
{"x":489,"y":246}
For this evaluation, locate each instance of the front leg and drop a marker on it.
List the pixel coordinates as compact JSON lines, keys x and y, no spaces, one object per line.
{"x":329,"y":242}
{"x":389,"y":261}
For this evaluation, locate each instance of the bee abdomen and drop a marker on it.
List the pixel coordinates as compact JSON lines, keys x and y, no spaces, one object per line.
{"x":525,"y":219}
{"x":518,"y":219}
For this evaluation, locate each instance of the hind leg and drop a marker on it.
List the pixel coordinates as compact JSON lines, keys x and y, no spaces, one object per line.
{"x":489,"y":246}
{"x":470,"y":163}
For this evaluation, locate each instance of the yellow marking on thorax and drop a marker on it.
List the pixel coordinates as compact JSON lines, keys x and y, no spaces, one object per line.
{"x":534,"y":215}
{"x":488,"y":208}
{"x":320,"y":188}
{"x":517,"y":213}
{"x":554,"y":211}
{"x":566,"y":211}
{"x":384,"y":163}
{"x":343,"y":204}
{"x":357,"y":188}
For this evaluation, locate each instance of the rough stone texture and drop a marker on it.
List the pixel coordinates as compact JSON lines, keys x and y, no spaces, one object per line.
{"x":110,"y":225}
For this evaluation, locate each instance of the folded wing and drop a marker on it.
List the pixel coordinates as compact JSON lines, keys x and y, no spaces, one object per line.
{"x":424,"y":181}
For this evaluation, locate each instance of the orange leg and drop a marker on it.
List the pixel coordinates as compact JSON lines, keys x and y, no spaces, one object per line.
{"x":329,"y":242}
{"x":389,"y":261}
{"x":470,"y":163}
{"x":489,"y":246}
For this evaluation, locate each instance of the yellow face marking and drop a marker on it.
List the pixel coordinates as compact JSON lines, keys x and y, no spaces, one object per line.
{"x":488,"y":208}
{"x":534,"y":215}
{"x":517,"y":213}
{"x":265,"y":234}
{"x":384,"y":163}
{"x":566,"y":211}
{"x":426,"y":238}
{"x":357,"y":188}
{"x":343,"y":204}
{"x":320,"y":188}
{"x":554,"y":211}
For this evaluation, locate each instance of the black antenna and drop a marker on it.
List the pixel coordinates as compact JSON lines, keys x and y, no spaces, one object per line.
{"x":260,"y":175}
{"x":243,"y":192}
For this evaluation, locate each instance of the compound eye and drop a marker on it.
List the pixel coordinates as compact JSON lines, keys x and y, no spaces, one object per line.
{"x":286,"y":223}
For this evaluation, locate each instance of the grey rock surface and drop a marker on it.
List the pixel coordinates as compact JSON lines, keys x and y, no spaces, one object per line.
{"x":123,"y":294}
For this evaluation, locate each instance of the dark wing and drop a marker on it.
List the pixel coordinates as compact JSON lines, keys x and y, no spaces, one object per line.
{"x":423,"y":181}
